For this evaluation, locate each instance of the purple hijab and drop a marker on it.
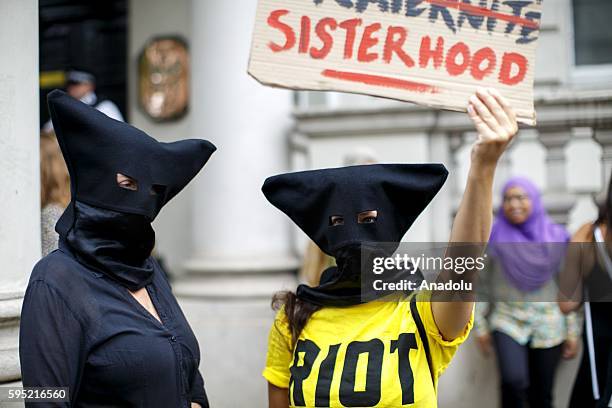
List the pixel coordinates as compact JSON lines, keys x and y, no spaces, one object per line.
{"x":531,"y":263}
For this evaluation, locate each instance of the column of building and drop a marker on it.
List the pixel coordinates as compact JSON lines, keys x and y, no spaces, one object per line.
{"x":241,"y":243}
{"x":19,"y":184}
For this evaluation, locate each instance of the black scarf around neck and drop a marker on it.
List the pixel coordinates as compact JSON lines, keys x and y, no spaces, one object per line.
{"x":116,"y":244}
{"x":343,"y":285}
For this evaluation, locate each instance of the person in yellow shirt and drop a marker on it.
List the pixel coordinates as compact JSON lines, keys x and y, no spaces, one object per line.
{"x":330,"y":345}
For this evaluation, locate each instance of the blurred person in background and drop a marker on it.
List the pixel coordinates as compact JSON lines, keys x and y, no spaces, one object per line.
{"x":54,"y":190}
{"x":81,"y":85}
{"x":587,"y":280}
{"x":316,"y":260}
{"x":516,"y":313}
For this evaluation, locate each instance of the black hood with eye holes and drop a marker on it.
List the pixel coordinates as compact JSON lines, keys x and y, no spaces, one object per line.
{"x":398,"y":192}
{"x":105,"y":225}
{"x":97,"y":147}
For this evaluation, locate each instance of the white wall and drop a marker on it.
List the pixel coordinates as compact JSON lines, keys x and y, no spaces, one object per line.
{"x":19,"y":184}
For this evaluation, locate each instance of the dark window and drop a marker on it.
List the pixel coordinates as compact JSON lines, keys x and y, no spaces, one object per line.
{"x":593,"y":31}
{"x":89,"y":35}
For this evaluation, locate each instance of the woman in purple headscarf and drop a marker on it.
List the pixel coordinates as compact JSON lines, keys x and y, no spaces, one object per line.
{"x":517,"y":314}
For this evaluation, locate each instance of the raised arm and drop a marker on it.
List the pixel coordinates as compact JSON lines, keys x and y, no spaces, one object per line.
{"x":495,"y":122}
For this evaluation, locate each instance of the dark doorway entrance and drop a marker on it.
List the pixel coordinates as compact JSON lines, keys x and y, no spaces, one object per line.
{"x":85,"y":34}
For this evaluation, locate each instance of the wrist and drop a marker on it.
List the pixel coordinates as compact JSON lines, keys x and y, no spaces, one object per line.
{"x":487,"y":154}
{"x":482,"y":171}
{"x":484,"y":161}
{"x":481,"y":330}
{"x":483,"y":334}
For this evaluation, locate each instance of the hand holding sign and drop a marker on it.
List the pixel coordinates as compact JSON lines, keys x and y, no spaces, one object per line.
{"x":433,"y":52}
{"x":495,"y":123}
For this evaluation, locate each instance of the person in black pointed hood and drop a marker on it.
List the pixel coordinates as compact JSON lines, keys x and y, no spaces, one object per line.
{"x":331,"y":345}
{"x":99,"y":316}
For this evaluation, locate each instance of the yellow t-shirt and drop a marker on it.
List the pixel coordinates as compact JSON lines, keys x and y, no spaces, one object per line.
{"x":356,"y":356}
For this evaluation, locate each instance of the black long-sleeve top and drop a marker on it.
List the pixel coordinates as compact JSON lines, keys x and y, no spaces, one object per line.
{"x":82,"y":330}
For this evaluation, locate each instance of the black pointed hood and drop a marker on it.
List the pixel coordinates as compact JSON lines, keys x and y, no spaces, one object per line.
{"x":398,"y":192}
{"x":107,"y":227}
{"x":97,"y":147}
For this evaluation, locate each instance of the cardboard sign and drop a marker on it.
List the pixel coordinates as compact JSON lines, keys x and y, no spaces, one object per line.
{"x":432,"y":52}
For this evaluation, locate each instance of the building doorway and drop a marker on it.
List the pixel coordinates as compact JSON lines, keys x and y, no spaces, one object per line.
{"x":83,"y":34}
